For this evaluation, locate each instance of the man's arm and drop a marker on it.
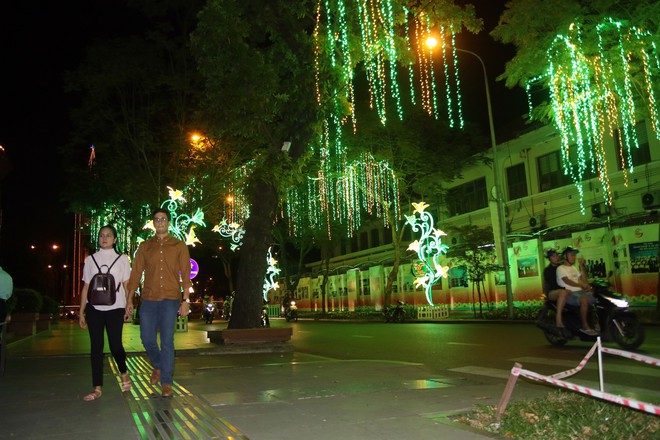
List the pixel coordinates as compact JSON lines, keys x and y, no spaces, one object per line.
{"x":136,"y":271}
{"x":184,"y":265}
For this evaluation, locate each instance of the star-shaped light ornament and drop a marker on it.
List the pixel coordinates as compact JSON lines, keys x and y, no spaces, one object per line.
{"x":420,"y":207}
{"x":414,"y":246}
{"x":176,"y":195}
{"x":441,"y":271}
{"x":149,"y":225}
{"x":421,"y":282}
{"x":191,"y":237}
{"x":438,"y":233}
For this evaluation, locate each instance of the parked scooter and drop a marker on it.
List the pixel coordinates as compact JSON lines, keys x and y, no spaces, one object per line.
{"x":291,"y":312}
{"x":208,"y":312}
{"x":395,"y":313}
{"x":610,"y":316}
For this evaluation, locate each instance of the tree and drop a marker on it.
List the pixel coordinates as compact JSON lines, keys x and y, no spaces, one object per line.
{"x":598,"y":61}
{"x":477,"y":257}
{"x":138,"y":96}
{"x":261,"y":74}
{"x":255,"y":59}
{"x":424,"y":153}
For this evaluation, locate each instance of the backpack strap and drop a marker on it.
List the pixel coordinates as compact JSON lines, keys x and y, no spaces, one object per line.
{"x":97,"y":264}
{"x":113,"y":263}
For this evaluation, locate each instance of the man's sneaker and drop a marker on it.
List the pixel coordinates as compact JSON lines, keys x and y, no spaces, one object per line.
{"x":589,"y":331}
{"x":155,"y":377}
{"x":167,"y":390}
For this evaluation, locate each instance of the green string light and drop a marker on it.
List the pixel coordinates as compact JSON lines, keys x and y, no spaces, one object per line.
{"x":593,"y":95}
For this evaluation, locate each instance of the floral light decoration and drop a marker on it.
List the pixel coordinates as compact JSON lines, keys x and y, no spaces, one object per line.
{"x":598,"y":92}
{"x":182,"y":226}
{"x":271,"y":272}
{"x":233,"y":231}
{"x":429,"y":248}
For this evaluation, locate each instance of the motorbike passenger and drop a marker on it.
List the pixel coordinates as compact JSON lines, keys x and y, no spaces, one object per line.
{"x":552,"y":289}
{"x":575,"y":281}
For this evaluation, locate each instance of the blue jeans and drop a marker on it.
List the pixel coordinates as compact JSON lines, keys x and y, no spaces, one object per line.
{"x":159,"y":316}
{"x":573,"y":299}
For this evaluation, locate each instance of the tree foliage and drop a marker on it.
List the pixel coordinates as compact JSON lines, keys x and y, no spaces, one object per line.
{"x":138,"y":95}
{"x":532,"y":25}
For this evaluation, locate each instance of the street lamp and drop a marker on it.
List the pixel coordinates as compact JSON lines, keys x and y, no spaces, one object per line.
{"x":501,"y":237}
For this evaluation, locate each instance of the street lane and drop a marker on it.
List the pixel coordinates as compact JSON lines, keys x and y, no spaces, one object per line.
{"x":487,"y":349}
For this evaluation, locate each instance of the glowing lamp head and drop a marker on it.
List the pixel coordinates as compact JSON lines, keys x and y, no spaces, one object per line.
{"x":195,"y":138}
{"x":431,"y":42}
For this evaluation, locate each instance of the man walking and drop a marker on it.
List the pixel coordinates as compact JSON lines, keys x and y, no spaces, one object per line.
{"x":575,"y":281}
{"x":165,"y":262}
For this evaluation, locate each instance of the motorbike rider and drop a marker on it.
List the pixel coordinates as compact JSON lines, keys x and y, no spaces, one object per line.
{"x":575,"y":281}
{"x":552,"y":289}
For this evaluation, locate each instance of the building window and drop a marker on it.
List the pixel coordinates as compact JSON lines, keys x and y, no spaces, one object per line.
{"x":365,"y":286}
{"x":640,"y":155}
{"x":516,"y":181}
{"x":551,"y":171}
{"x":364,"y":240}
{"x":387,"y":235}
{"x":375,"y":238}
{"x":467,"y":197}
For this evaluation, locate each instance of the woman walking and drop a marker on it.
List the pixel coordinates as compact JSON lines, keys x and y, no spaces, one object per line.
{"x":110,"y":316}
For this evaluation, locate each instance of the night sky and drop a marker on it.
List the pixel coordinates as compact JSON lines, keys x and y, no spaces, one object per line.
{"x":43,"y":39}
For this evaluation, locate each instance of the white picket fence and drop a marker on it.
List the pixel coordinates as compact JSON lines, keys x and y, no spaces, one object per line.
{"x":439,"y":311}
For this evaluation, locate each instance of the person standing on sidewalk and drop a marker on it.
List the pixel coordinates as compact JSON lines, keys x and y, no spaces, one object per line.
{"x":6,"y":290}
{"x":165,"y":262}
{"x":97,"y":318}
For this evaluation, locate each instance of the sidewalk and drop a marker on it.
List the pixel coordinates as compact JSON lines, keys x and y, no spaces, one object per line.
{"x":260,"y":394}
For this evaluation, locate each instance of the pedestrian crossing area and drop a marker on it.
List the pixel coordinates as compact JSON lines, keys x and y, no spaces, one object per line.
{"x":185,"y":416}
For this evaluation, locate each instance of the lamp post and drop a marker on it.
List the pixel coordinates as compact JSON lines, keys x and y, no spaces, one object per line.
{"x":501,"y":237}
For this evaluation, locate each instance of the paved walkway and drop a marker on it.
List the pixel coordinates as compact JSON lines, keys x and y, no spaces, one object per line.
{"x":272,"y":393}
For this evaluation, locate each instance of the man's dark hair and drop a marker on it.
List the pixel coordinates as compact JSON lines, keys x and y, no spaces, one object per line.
{"x":163,"y":211}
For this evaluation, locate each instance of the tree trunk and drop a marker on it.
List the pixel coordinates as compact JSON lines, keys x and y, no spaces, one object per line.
{"x":247,"y":305}
{"x":226,"y":267}
{"x":397,"y":236}
{"x":325,"y":252}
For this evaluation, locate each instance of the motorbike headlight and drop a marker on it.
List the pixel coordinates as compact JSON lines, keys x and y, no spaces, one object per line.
{"x":621,"y":303}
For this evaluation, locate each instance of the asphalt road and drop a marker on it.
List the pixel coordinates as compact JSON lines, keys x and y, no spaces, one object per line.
{"x":487,"y":349}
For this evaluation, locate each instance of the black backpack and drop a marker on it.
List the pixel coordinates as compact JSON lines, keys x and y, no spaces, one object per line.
{"x":102,"y":290}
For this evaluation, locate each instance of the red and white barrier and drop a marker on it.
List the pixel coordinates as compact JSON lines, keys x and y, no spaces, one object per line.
{"x":556,"y":379}
{"x":631,"y":403}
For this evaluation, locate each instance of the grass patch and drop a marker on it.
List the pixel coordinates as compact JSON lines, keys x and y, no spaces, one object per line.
{"x":565,"y":415}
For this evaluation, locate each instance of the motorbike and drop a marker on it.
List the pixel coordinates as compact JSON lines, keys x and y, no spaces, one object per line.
{"x":395,"y":313}
{"x":208,"y":312}
{"x":609,"y":315}
{"x":291,"y":312}
{"x":265,"y":321}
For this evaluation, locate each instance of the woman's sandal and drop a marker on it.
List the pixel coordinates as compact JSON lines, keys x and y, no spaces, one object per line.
{"x":96,"y":394}
{"x":125,"y":382}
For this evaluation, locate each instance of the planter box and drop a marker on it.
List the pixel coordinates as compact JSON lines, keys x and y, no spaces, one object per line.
{"x":23,"y":324}
{"x":44,"y":322}
{"x":250,"y":335}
